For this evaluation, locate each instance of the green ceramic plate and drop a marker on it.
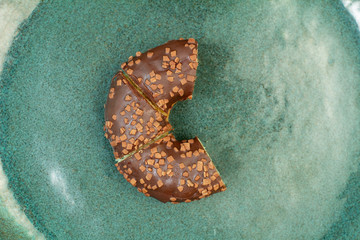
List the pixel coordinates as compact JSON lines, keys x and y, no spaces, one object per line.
{"x":276,"y":104}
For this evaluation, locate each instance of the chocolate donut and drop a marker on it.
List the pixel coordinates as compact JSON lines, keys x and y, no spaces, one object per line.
{"x":137,"y":126}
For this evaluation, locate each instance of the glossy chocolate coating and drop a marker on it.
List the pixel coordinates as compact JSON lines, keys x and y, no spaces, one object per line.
{"x":130,"y":121}
{"x":166,"y":169}
{"x":170,"y":170}
{"x":166,"y":74}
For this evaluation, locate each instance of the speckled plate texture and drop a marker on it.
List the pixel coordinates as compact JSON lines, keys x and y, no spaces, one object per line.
{"x":276,"y":104}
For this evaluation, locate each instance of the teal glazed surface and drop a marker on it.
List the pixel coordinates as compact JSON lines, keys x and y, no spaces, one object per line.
{"x":276,"y":104}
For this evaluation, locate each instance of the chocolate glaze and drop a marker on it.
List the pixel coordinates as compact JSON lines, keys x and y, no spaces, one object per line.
{"x":170,"y":170}
{"x":166,"y":169}
{"x":130,"y":121}
{"x":166,"y":74}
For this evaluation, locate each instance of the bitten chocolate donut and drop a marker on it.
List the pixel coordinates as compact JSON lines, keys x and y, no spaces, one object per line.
{"x":136,"y":123}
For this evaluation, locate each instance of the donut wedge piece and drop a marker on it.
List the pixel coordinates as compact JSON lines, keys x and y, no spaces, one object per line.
{"x":173,"y":171}
{"x":166,"y":74}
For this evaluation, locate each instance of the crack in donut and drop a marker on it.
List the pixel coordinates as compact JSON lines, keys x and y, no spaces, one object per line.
{"x":137,"y":126}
